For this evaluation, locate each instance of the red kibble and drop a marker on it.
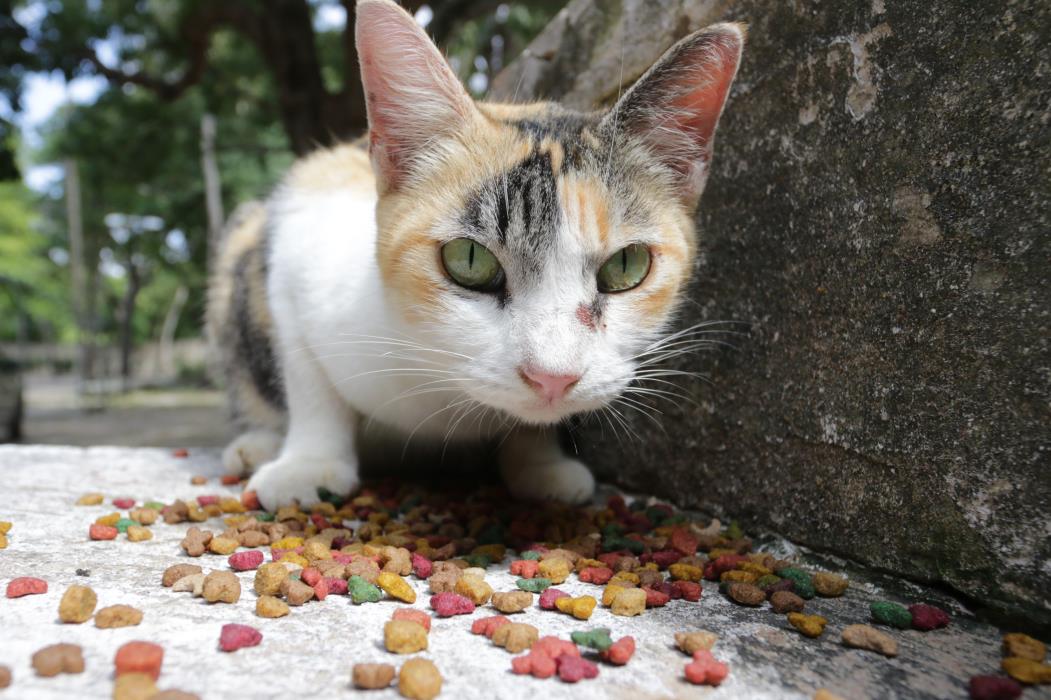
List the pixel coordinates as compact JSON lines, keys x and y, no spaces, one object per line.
{"x":26,"y":585}
{"x":620,"y":652}
{"x":414,"y":615}
{"x":181,"y":453}
{"x":336,"y":586}
{"x":655,"y":598}
{"x":203,"y":501}
{"x":310,"y":576}
{"x":682,"y":541}
{"x":525,"y":568}
{"x":342,"y":558}
{"x":994,"y":688}
{"x":599,"y":575}
{"x":245,"y":561}
{"x":534,"y":664}
{"x":421,"y":566}
{"x":574,"y":668}
{"x":319,"y":521}
{"x":250,"y":500}
{"x":230,"y":479}
{"x":554,"y":647}
{"x":321,"y":589}
{"x":663,"y":558}
{"x":102,"y":532}
{"x":139,"y":657}
{"x":688,"y":590}
{"x":714,"y":569}
{"x":928,"y":617}
{"x":610,"y":559}
{"x":549,"y":596}
{"x":488,"y":625}
{"x":449,"y":604}
{"x":234,"y":637}
{"x":123,"y":503}
{"x":705,"y":670}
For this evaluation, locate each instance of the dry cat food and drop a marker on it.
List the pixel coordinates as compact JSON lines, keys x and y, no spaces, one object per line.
{"x":785,"y":602}
{"x":689,"y":642}
{"x":705,"y":669}
{"x":98,"y":531}
{"x":1026,"y":670}
{"x":134,"y":686}
{"x":176,"y":572}
{"x":417,"y":616}
{"x":58,"y":658}
{"x":396,"y":587}
{"x":515,"y":637}
{"x":620,"y":651}
{"x":269,"y":606}
{"x":419,"y":680}
{"x":404,"y":636}
{"x":580,"y":607}
{"x":489,"y":625}
{"x":928,"y":617}
{"x":245,"y":561}
{"x":573,"y":668}
{"x":994,"y":688}
{"x":222,"y":587}
{"x":233,"y":637}
{"x":828,"y":585}
{"x":269,"y":577}
{"x":513,"y":601}
{"x":139,"y":657}
{"x":90,"y":499}
{"x":26,"y":585}
{"x":449,"y":604}
{"x":196,"y":541}
{"x":5,"y":677}
{"x":865,"y":637}
{"x":1024,"y":646}
{"x":117,"y":616}
{"x":372,"y":676}
{"x":891,"y":614}
{"x":77,"y":604}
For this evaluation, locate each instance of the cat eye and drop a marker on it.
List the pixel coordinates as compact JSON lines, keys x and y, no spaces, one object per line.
{"x":625,"y":269}
{"x":472,"y":265}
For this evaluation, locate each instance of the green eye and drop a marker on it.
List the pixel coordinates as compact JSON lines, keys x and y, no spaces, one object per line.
{"x":625,"y":269}
{"x":471,"y":265}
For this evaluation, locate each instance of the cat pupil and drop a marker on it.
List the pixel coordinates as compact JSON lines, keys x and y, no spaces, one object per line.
{"x":470,"y":257}
{"x":624,"y":261}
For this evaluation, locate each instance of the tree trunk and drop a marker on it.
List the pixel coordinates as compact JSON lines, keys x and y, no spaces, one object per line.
{"x":131,"y":293}
{"x":213,"y":186}
{"x":878,"y":211}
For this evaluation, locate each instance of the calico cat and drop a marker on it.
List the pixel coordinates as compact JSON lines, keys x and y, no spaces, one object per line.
{"x":480,"y":272}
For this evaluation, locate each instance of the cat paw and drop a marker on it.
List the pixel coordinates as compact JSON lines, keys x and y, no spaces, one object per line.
{"x":249,"y":450}
{"x":566,"y":480}
{"x":297,"y":479}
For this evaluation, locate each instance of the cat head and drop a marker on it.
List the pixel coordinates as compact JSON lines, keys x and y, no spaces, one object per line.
{"x":544,"y":250}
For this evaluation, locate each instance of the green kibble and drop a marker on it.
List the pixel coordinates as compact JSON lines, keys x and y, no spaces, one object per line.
{"x":529,"y":554}
{"x":597,"y":638}
{"x":891,"y":614}
{"x":765,"y":582}
{"x":482,"y":561}
{"x":734,"y":531}
{"x":265,"y":517}
{"x":155,"y":505}
{"x":802,"y":586}
{"x":533,"y":585}
{"x":612,"y":530}
{"x":634,"y":546}
{"x":329,"y":497}
{"x":124,"y":523}
{"x":361,"y":591}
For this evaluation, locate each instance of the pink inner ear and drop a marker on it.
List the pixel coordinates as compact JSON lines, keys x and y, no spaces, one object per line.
{"x":696,"y":111}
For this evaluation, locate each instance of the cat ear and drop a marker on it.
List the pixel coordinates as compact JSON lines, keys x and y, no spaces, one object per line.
{"x":674,"y":107}
{"x":412,"y":96}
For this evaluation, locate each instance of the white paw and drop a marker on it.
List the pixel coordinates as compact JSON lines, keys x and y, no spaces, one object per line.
{"x":565,"y":479}
{"x":249,"y":450}
{"x":291,"y":478}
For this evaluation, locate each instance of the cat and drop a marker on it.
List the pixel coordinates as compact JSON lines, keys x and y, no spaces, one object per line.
{"x":475,"y":272}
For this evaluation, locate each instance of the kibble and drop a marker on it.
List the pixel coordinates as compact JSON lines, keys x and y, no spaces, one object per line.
{"x":746,"y":594}
{"x":414,"y":615}
{"x":809,"y":625}
{"x":489,"y":625}
{"x":269,"y":577}
{"x":1024,"y":647}
{"x":829,"y":585}
{"x":245,"y":561}
{"x":139,"y":657}
{"x":928,"y":617}
{"x":298,"y":593}
{"x":117,"y":616}
{"x":58,"y":658}
{"x":994,"y":688}
{"x":549,"y":598}
{"x":419,"y":679}
{"x":134,"y":686}
{"x":580,"y":607}
{"x":372,"y":676}
{"x":865,"y":637}
{"x":77,"y":604}
{"x":176,"y":572}
{"x":222,"y":587}
{"x":5,"y":677}
{"x":629,"y":602}
{"x":404,"y":636}
{"x":396,"y":587}
{"x":269,"y":606}
{"x":573,"y":669}
{"x":233,"y":637}
{"x":705,"y":669}
{"x":891,"y":614}
{"x":136,"y":533}
{"x":474,"y":588}
{"x":785,"y":602}
{"x":620,"y":652}
{"x":196,"y":541}
{"x":690,"y":642}
{"x":194,"y":583}
{"x":102,"y":532}
{"x":26,"y":585}
{"x":533,"y":585}
{"x":1026,"y":670}
{"x":515,"y":637}
{"x":90,"y":499}
{"x":597,"y":638}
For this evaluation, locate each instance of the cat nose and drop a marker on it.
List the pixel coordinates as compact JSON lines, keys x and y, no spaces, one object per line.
{"x":547,"y":385}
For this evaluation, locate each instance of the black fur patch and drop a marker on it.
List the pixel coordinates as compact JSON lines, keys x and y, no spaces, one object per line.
{"x":251,"y":343}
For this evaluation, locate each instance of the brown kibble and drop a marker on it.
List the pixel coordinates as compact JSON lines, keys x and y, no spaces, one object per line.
{"x":58,"y":658}
{"x":629,"y":602}
{"x":134,"y":686}
{"x":556,"y":569}
{"x":746,"y":594}
{"x":1024,"y":647}
{"x":77,"y":604}
{"x":144,"y":516}
{"x":690,"y":642}
{"x":194,"y":583}
{"x":419,"y":680}
{"x":372,"y":676}
{"x":297,"y":592}
{"x":475,"y":588}
{"x":515,"y":636}
{"x":512,"y":601}
{"x":810,"y":625}
{"x":117,"y":616}
{"x":316,"y":551}
{"x":5,"y":677}
{"x":829,"y":585}
{"x":870,"y":638}
{"x":223,"y":545}
{"x":253,"y":539}
{"x":195,"y":541}
{"x":139,"y":534}
{"x":786,"y":602}
{"x":269,"y":577}
{"x":365,"y":568}
{"x":1026,"y":670}
{"x":397,"y":560}
{"x":444,"y":581}
{"x":222,"y":587}
{"x":178,"y":571}
{"x":175,"y":695}
{"x":269,"y":606}
{"x":198,"y":480}
{"x":404,"y":636}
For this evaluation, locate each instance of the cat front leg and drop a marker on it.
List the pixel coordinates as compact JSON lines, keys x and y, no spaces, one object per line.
{"x":319,"y":449}
{"x":534,"y":467}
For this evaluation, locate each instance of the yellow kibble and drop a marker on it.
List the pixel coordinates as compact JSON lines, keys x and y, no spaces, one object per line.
{"x":287,"y":543}
{"x":231,"y":505}
{"x":110,"y":520}
{"x":611,"y":590}
{"x":223,"y":545}
{"x":738,"y":576}
{"x":293,"y":558}
{"x":685,"y":572}
{"x":324,"y":508}
{"x":626,"y":576}
{"x":289,"y":513}
{"x":580,"y":608}
{"x":90,"y":499}
{"x":236,"y":520}
{"x":1026,"y":670}
{"x":316,"y":551}
{"x":757,"y":569}
{"x":630,"y":601}
{"x":475,"y":588}
{"x":3,"y":541}
{"x":194,"y":513}
{"x":557,"y":570}
{"x":139,"y":534}
{"x":396,"y":587}
{"x":5,"y":527}
{"x":404,"y":636}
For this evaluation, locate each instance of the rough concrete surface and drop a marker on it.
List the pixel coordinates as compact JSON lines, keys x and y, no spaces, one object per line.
{"x":312,"y":651}
{"x":878,"y":215}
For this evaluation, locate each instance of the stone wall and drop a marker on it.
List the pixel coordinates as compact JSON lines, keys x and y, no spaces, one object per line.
{"x":879,"y":212}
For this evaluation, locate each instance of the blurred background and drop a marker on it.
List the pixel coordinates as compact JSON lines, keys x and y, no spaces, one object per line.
{"x":129,"y":130}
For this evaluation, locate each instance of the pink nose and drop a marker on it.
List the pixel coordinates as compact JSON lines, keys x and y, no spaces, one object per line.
{"x":547,"y":385}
